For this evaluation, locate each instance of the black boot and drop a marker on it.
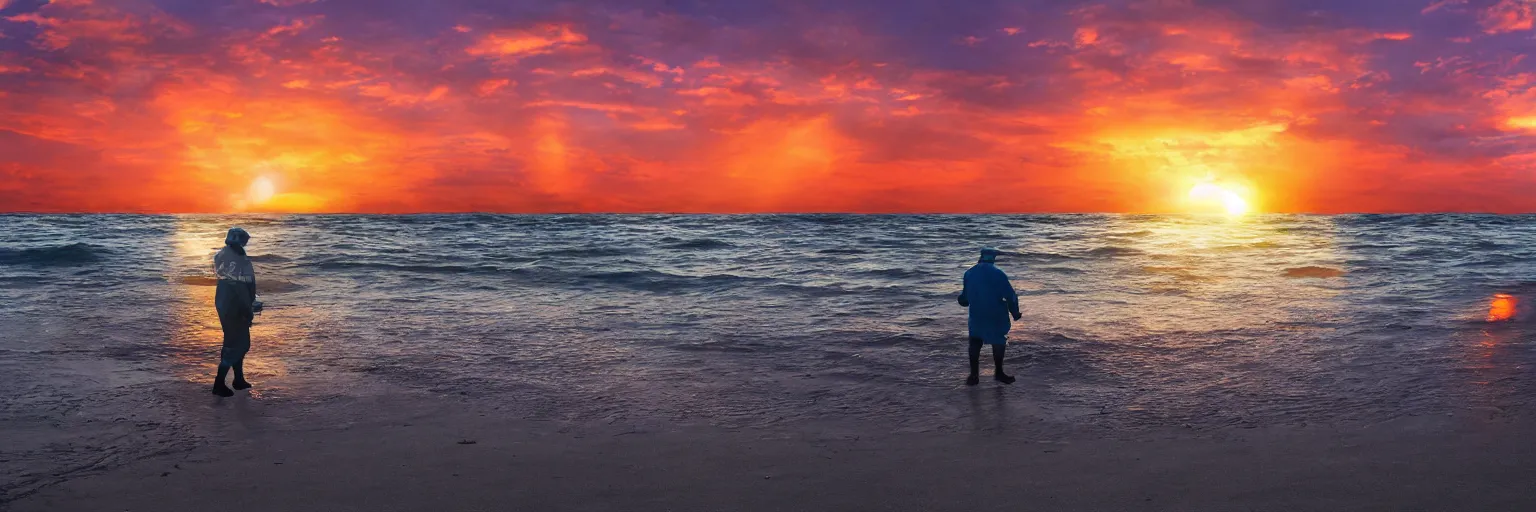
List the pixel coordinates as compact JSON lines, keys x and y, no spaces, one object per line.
{"x":997,"y":361}
{"x":975,"y":353}
{"x":240,"y":382}
{"x":218,"y":384}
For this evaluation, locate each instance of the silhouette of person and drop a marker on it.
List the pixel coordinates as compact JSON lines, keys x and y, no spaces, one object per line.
{"x":235,"y":299}
{"x":991,"y":300}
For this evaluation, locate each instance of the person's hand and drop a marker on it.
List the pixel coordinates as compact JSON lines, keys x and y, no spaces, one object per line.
{"x":1017,"y":316}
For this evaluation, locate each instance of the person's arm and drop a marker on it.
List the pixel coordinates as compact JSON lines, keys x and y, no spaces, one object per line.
{"x":964,"y":302}
{"x":1011,"y":298}
{"x":251,"y":317}
{"x":249,"y":297}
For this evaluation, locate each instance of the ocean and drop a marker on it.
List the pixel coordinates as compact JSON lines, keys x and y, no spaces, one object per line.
{"x":758,"y":321}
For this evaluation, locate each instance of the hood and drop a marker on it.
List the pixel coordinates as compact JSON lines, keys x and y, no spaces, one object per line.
{"x":237,"y":237}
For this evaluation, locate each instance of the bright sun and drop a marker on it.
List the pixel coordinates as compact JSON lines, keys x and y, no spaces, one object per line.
{"x":1230,"y":201}
{"x":262,"y":190}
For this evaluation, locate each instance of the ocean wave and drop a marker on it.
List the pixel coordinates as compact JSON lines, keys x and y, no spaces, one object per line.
{"x":816,"y":291}
{"x":1178,"y":273}
{"x":698,"y":244}
{"x":199,"y":280}
{"x":397,"y":267}
{"x":17,"y":282}
{"x":1037,"y":256}
{"x":895,"y":273}
{"x":510,"y":258}
{"x":269,"y":258}
{"x":1060,"y":270}
{"x":833,"y":219}
{"x":1429,"y":220}
{"x":1249,"y":246}
{"x":587,"y":252}
{"x":276,"y":286}
{"x":658,"y":281}
{"x":1495,"y":260}
{"x":1111,"y":251}
{"x":1370,"y":247}
{"x":1490,"y":245}
{"x":1313,"y":272}
{"x":1432,"y":252}
{"x":72,"y":254}
{"x":711,"y":346}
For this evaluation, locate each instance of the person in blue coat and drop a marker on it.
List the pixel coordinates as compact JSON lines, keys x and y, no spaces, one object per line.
{"x":991,"y":300}
{"x":235,"y":300}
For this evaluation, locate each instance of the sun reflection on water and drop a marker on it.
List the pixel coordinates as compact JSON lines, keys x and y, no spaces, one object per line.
{"x":1199,"y":269}
{"x":1502,"y":307}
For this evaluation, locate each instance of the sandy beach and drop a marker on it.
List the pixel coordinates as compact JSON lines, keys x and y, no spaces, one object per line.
{"x":403,"y":451}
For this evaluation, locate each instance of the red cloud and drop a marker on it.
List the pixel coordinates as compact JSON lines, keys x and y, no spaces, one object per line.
{"x":1508,"y":16}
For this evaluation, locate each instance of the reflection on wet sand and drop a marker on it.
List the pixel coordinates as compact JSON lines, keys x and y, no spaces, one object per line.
{"x":1495,"y":369}
{"x":989,"y":414}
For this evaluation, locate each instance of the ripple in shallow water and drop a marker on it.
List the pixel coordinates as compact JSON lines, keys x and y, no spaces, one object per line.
{"x":1314,"y":272}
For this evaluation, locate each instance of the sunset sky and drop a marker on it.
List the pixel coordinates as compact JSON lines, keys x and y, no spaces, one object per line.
{"x":754,"y":105}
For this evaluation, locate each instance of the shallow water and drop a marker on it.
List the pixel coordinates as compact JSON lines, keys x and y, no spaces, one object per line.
{"x":1130,"y":321}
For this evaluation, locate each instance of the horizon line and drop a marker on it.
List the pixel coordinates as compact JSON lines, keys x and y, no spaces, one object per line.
{"x":701,"y":213}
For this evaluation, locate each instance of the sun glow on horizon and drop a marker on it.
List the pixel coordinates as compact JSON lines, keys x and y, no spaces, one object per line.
{"x":1210,"y":193}
{"x":262,"y":189}
{"x":263,"y":195}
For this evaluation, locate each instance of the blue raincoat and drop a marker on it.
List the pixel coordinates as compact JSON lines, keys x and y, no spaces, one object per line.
{"x":235,"y":296}
{"x":991,"y":300}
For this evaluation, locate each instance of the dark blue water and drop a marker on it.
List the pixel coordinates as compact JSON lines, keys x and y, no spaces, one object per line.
{"x":1130,"y":322}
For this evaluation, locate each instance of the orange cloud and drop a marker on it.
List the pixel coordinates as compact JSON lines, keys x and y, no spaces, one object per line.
{"x":519,"y":43}
{"x":387,"y":92}
{"x":489,"y":87}
{"x":1086,"y":36}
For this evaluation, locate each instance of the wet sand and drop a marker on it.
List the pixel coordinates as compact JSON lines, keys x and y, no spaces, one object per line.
{"x":415,"y":451}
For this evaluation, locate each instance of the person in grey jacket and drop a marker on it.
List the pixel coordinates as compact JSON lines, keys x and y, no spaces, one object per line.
{"x":235,"y":300}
